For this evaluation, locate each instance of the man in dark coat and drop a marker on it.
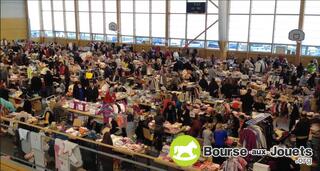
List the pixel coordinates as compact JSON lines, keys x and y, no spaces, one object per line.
{"x":247,"y":102}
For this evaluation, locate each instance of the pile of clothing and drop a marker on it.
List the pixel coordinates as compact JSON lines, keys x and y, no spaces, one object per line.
{"x":170,"y":128}
{"x":125,"y":142}
{"x":82,"y":131}
{"x":207,"y":166}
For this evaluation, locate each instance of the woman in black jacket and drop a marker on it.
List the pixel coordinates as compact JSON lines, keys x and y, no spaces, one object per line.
{"x":213,"y":88}
{"x":106,"y":162}
{"x":203,"y":84}
{"x":185,"y":117}
{"x":170,"y":113}
{"x":92,"y":93}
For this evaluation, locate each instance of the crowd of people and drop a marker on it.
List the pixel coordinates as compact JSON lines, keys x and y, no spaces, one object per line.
{"x":83,"y":73}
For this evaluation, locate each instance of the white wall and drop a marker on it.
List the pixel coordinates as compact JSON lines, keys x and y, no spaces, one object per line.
{"x":13,"y":9}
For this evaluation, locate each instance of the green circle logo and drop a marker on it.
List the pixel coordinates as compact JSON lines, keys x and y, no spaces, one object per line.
{"x":185,"y":150}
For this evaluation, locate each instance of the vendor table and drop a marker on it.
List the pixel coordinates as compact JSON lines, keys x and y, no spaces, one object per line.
{"x":84,"y":113}
{"x":173,"y":165}
{"x":35,"y":102}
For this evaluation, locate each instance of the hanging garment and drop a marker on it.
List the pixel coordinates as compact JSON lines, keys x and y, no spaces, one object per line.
{"x":73,"y":152}
{"x":232,"y":164}
{"x":261,"y":139}
{"x":122,"y":107}
{"x":61,"y":159}
{"x":248,"y":140}
{"x":120,"y":121}
{"x":36,"y":140}
{"x":107,"y":111}
{"x":39,"y":158}
{"x":25,"y":140}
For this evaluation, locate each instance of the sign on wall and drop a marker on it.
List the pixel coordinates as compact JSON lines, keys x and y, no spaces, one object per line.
{"x":196,"y":7}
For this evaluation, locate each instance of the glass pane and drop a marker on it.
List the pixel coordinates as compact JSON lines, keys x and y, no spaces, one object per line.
{"x":99,"y":37}
{"x":110,"y":5}
{"x":142,"y":40}
{"x":97,"y":22}
{"x":288,"y":7}
{"x":127,"y":39}
{"x":60,"y":34}
{"x":312,"y":30}
{"x":127,"y":6}
{"x":58,"y":5}
{"x":233,"y":46}
{"x":284,"y":49}
{"x":127,"y":24}
{"x":84,"y":22}
{"x":196,"y":25}
{"x":313,"y":51}
{"x":71,"y":35}
{"x":242,"y":46}
{"x":212,"y":8}
{"x":70,"y":21}
{"x":312,"y":7}
{"x":212,"y":44}
{"x":47,"y":20}
{"x":58,"y":21}
{"x":284,"y":24}
{"x":261,"y":28}
{"x":212,"y":32}
{"x":69,"y":5}
{"x":158,"y":41}
{"x":158,"y":25}
{"x":196,"y":44}
{"x":177,"y":25}
{"x":263,"y":7}
{"x":48,"y":33}
{"x":142,"y":25}
{"x":110,"y":17}
{"x":255,"y":47}
{"x":111,"y":38}
{"x":34,"y":19}
{"x":96,"y":5}
{"x":240,"y":7}
{"x":178,"y":6}
{"x":83,"y":5}
{"x":176,"y":42}
{"x":238,"y":28}
{"x":46,"y":5}
{"x":142,"y":6}
{"x":158,"y":6}
{"x":35,"y":33}
{"x":84,"y":36}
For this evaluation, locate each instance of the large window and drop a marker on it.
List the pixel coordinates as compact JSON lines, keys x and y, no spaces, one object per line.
{"x":84,"y":24}
{"x":97,"y":23}
{"x":311,"y":29}
{"x":264,"y":25}
{"x":253,"y":25}
{"x":158,"y":22}
{"x":238,"y":28}
{"x":177,"y":26}
{"x":261,"y":28}
{"x":34,"y":15}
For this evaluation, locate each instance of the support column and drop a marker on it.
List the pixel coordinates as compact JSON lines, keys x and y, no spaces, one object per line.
{"x":223,"y":27}
{"x":76,"y":12}
{"x":167,"y":23}
{"x":301,"y":20}
{"x":118,"y":20}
